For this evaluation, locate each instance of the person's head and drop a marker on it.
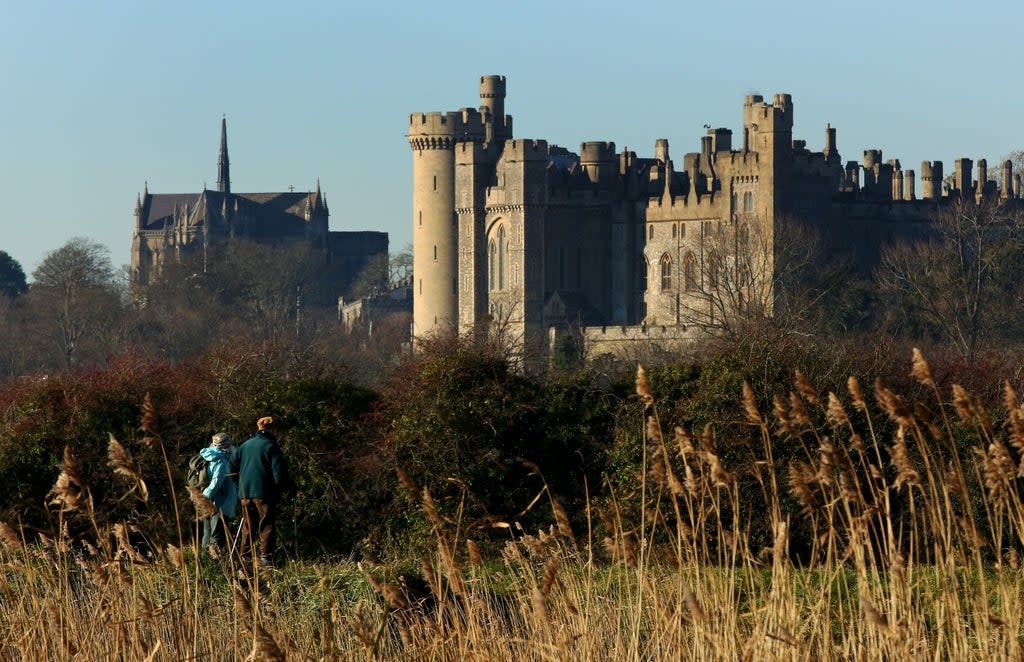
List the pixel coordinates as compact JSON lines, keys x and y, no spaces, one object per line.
{"x":221,"y":440}
{"x":265,"y":423}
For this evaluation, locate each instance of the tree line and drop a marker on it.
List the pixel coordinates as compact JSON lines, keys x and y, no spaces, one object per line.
{"x":79,"y":311}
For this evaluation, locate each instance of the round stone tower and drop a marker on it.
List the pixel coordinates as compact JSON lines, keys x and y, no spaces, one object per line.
{"x":435,"y":230}
{"x":492,"y":98}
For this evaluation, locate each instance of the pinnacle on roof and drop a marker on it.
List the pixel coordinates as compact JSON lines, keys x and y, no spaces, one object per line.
{"x":223,"y":164}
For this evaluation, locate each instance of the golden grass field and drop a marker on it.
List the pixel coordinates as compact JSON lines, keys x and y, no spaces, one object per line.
{"x":914,"y":555}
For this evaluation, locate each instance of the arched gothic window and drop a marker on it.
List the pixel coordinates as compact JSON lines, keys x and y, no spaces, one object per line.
{"x":502,"y":246}
{"x":666,"y":272}
{"x":497,"y":264}
{"x":714,"y":269}
{"x":492,"y":266}
{"x":748,"y":201}
{"x":689,"y":272}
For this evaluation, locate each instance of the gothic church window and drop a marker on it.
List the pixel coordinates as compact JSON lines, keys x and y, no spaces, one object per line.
{"x":748,"y":201}
{"x":492,"y":266}
{"x":714,"y":267}
{"x":502,"y":250}
{"x":496,"y":262}
{"x":690,"y":272}
{"x":650,"y":232}
{"x":666,"y":272}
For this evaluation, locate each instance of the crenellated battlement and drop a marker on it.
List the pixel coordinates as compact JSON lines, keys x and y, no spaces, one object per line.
{"x":438,"y":130}
{"x":761,"y":117}
{"x":434,"y":124}
{"x":525,"y":150}
{"x":597,"y":152}
{"x":616,"y":235}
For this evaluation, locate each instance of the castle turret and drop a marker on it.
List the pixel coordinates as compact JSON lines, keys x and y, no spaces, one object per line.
{"x":769,"y":132}
{"x":598,"y":160}
{"x":908,"y":184}
{"x":982,"y":183}
{"x":223,"y":165}
{"x":435,"y":230}
{"x":962,"y":177}
{"x":853,"y":175}
{"x":931,"y":180}
{"x":830,"y":151}
{"x":1007,"y":190}
{"x":492,"y":97}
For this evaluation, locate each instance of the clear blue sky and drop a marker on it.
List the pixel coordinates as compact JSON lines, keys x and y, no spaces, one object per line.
{"x":100,"y":97}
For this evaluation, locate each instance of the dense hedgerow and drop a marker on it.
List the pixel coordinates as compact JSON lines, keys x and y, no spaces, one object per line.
{"x":494,"y":447}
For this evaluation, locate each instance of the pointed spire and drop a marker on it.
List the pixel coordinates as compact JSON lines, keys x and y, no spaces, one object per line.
{"x":223,"y":165}
{"x":666,"y":194}
{"x":145,"y":189}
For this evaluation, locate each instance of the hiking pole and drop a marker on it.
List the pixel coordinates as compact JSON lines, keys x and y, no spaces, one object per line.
{"x":238,"y":534}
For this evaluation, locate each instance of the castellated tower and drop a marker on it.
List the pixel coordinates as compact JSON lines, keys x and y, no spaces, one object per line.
{"x":435,"y":265}
{"x":528,"y":241}
{"x":433,"y":138}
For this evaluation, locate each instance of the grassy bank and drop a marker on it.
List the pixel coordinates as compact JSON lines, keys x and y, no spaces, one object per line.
{"x":910,"y":524}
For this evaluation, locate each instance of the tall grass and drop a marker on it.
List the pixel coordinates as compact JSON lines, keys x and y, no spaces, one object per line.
{"x":909,"y":525}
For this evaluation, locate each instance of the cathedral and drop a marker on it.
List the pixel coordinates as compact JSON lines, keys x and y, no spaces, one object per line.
{"x":177,"y":227}
{"x":535,"y":238}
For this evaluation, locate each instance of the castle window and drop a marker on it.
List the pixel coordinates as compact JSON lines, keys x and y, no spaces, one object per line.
{"x":748,"y":201}
{"x":650,"y":232}
{"x":421,"y":217}
{"x":502,"y":249}
{"x":714,"y":267}
{"x":492,"y":264}
{"x":674,"y":230}
{"x":496,"y":263}
{"x":435,"y":182}
{"x":666,"y":272}
{"x":690,"y":272}
{"x":435,"y":253}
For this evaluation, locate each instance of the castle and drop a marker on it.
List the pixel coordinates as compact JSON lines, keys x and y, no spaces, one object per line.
{"x":535,"y":237}
{"x":185,"y":226}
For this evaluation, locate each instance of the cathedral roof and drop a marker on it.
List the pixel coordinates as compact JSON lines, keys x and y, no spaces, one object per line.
{"x":268,"y":214}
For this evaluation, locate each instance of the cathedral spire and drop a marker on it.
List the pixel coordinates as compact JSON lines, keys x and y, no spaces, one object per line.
{"x":223,"y":165}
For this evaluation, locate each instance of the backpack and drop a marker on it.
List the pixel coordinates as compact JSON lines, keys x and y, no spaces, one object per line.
{"x":198,"y":473}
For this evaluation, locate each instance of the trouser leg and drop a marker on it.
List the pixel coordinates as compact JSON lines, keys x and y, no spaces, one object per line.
{"x":250,"y":526}
{"x":268,"y":531}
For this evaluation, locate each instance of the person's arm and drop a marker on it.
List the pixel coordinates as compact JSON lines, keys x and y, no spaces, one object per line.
{"x":217,"y":474}
{"x":279,"y":470}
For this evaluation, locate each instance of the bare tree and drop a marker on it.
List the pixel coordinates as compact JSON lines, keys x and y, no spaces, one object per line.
{"x":267,"y":286}
{"x":957,"y":282}
{"x":744,"y":276}
{"x":400,"y":266}
{"x":74,"y":297}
